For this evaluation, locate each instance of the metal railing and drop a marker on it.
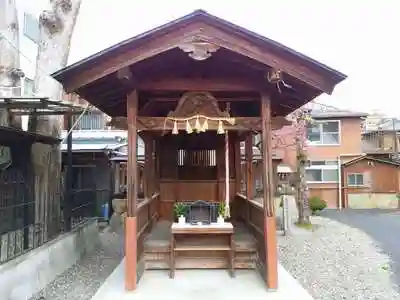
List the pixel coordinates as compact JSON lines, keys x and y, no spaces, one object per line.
{"x":44,"y":225}
{"x":87,"y":204}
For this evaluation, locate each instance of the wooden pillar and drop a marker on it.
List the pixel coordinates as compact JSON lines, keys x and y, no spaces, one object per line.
{"x":220,"y":160}
{"x":175,"y":155}
{"x":150,"y":173}
{"x":132,"y":186}
{"x":157,"y":164}
{"x":28,"y":190}
{"x":117,"y":176}
{"x":68,"y":178}
{"x":237,"y":164}
{"x":227,"y":177}
{"x":271,"y":259}
{"x":147,"y":170}
{"x":249,"y":166}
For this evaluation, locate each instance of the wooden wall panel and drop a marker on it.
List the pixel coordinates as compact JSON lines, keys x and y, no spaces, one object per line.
{"x":221,"y":190}
{"x":197,"y":190}
{"x":166,"y":210}
{"x":167,"y":190}
{"x":191,"y":191}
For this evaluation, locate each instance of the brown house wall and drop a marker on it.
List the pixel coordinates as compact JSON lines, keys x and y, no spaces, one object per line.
{"x":384,"y":178}
{"x":350,"y":142}
{"x":326,"y":191}
{"x":350,"y":147}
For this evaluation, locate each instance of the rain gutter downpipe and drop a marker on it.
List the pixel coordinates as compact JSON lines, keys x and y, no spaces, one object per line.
{"x":340,"y":189}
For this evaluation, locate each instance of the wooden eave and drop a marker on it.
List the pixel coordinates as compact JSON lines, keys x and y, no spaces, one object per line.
{"x":371,"y":158}
{"x":15,"y":136}
{"x":212,"y":29}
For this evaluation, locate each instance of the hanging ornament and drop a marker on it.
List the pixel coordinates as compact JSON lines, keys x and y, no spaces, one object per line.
{"x":220,"y":128}
{"x":197,"y":125}
{"x":188,"y":127}
{"x":204,"y":128}
{"x":175,"y":129}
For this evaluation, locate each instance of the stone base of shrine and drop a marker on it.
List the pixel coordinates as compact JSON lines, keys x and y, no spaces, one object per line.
{"x":200,"y":284}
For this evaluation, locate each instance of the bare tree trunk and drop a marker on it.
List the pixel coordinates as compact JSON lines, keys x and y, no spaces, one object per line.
{"x":302,"y":188}
{"x":10,"y":74}
{"x":56,"y":28}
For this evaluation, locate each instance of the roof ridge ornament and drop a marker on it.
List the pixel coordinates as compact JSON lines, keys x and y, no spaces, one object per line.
{"x":198,"y":48}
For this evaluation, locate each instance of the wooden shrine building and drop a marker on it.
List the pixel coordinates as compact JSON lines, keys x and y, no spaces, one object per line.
{"x":194,"y":89}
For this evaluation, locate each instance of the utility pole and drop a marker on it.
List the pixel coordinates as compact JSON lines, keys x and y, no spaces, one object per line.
{"x":395,"y":142}
{"x":395,"y":148}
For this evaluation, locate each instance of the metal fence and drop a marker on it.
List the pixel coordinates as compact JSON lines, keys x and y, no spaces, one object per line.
{"x":21,"y":228}
{"x":88,"y":204}
{"x":26,"y":224}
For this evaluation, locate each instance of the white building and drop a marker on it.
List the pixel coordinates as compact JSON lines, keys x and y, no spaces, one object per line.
{"x":28,"y":19}
{"x":29,"y":35}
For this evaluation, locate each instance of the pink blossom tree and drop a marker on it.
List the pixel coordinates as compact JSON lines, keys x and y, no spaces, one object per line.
{"x":295,"y":136}
{"x":300,"y":122}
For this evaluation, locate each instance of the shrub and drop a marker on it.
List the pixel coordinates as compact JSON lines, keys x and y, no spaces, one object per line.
{"x":180,"y":209}
{"x":221,"y":209}
{"x":316,"y":204}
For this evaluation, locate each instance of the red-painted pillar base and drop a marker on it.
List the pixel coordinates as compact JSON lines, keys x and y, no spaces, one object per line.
{"x":271,"y":252}
{"x":130,"y":253}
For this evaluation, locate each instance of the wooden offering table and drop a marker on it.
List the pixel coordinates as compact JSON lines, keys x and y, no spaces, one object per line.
{"x":208,"y":246}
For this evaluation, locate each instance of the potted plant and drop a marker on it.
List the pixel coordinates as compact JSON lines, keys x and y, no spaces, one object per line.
{"x":180,"y":211}
{"x":221,"y":213}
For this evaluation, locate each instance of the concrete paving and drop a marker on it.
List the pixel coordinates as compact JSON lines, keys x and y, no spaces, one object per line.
{"x":201,"y":284}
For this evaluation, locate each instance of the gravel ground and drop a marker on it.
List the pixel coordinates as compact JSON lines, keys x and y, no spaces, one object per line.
{"x":338,"y":262}
{"x":380,"y":224}
{"x":81,"y":281}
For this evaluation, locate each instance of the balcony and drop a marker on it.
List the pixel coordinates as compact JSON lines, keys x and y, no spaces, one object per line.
{"x":381,"y":142}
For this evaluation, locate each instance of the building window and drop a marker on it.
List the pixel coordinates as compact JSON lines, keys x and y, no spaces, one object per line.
{"x":323,"y":171}
{"x":28,"y":87}
{"x":90,"y":121}
{"x":31,"y":28}
{"x":355,"y":179}
{"x":324,"y":133}
{"x":197,"y":158}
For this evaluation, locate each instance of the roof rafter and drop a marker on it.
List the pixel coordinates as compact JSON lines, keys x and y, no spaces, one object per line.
{"x":39,"y":106}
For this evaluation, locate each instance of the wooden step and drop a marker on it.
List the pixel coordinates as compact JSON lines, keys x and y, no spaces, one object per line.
{"x":199,"y":263}
{"x":153,"y":256}
{"x":157,"y":250}
{"x":156,"y":261}
{"x":201,"y":245}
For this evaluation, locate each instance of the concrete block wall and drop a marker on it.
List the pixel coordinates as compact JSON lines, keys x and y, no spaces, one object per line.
{"x":27,"y":274}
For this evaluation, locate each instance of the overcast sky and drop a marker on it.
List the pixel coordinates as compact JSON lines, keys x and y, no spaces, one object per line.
{"x":359,"y":38}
